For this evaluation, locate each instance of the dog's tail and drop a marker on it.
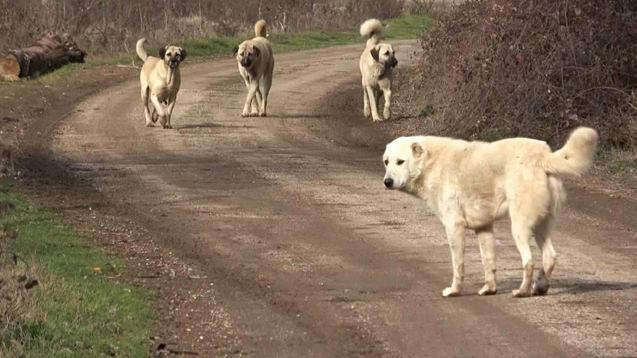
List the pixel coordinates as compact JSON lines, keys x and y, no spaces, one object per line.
{"x":141,"y":51}
{"x":576,"y":156}
{"x":260,"y":29}
{"x":372,"y":29}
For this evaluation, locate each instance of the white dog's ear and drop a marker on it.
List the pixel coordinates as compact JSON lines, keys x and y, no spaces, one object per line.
{"x":162,"y":52}
{"x":416,"y":150}
{"x":235,"y":50}
{"x":374,"y":51}
{"x":183,"y":53}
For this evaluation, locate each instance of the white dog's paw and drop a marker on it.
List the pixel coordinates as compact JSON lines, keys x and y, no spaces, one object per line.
{"x":377,"y":119}
{"x":487,"y":290}
{"x":245,"y":114}
{"x":263,"y":114}
{"x":450,"y":292}
{"x":387,"y":113}
{"x":150,"y":124}
{"x":367,"y":112}
{"x":520,"y":293}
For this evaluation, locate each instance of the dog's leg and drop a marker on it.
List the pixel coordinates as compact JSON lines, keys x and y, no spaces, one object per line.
{"x":148,"y":114}
{"x":252,"y":90}
{"x":372,"y":103}
{"x":266,"y":84}
{"x":543,"y":239}
{"x":522,"y":234}
{"x":159,"y":108}
{"x":455,"y":236}
{"x":366,"y":111}
{"x":256,"y":104}
{"x":387,"y":111}
{"x":487,"y":252}
{"x":169,"y":112}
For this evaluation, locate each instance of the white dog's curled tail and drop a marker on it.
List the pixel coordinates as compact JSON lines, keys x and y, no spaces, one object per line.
{"x":260,"y":29}
{"x":372,"y":29}
{"x":576,"y":156}
{"x":141,"y":51}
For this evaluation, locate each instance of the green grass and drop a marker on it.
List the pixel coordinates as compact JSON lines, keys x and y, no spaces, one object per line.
{"x":84,"y":314}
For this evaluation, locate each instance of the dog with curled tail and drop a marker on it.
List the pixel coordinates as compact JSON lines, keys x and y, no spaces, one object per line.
{"x":255,"y":60}
{"x":377,"y":63}
{"x":160,"y":80}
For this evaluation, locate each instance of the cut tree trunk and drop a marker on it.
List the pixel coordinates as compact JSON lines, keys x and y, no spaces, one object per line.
{"x":48,"y":53}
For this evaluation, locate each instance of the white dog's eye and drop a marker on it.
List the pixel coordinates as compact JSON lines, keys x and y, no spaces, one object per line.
{"x":400,"y":161}
{"x":386,"y":161}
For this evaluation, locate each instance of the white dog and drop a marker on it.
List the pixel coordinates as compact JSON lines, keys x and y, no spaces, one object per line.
{"x":160,"y":80}
{"x":469,"y":185}
{"x":376,"y":64}
{"x":256,"y":65}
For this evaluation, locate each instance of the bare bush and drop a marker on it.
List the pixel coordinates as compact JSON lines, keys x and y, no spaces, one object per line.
{"x":110,"y":26}
{"x":497,"y":68}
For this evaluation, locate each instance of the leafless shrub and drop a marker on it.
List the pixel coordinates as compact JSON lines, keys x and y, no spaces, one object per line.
{"x":497,"y":68}
{"x":109,"y":26}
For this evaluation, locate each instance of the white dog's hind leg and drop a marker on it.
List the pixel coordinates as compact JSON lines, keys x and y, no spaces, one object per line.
{"x":456,"y":237}
{"x":387,"y":111}
{"x":522,"y":234}
{"x":543,"y":240}
{"x":487,"y":252}
{"x":148,"y":114}
{"x":366,"y":111}
{"x":371,"y":95}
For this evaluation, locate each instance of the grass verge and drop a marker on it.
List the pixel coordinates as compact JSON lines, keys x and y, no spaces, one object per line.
{"x":75,"y":311}
{"x":404,"y":27}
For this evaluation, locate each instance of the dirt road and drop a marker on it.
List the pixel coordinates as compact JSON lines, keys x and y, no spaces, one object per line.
{"x":285,"y":218}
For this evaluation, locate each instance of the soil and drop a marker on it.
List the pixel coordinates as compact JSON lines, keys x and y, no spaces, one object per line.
{"x":273,"y":236}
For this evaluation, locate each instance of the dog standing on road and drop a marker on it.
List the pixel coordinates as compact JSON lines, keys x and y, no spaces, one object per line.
{"x":256,"y":65}
{"x":377,"y":63}
{"x":160,"y":80}
{"x":468,"y":185}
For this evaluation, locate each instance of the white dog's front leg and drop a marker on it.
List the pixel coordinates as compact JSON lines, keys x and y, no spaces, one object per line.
{"x":159,"y":108}
{"x":456,"y":236}
{"x":371,"y":96}
{"x":387,"y":111}
{"x":169,"y":113}
{"x":252,"y":90}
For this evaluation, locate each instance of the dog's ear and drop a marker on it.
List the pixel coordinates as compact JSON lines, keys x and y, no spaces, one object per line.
{"x":257,"y":52}
{"x":374,"y":52}
{"x":162,"y":52}
{"x":183,"y":53}
{"x":416,"y":150}
{"x":235,"y":50}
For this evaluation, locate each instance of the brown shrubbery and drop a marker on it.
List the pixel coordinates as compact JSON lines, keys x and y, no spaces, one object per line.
{"x":103,"y":26}
{"x":498,"y":68}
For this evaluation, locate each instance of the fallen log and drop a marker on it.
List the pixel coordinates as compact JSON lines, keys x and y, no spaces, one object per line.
{"x":48,"y":53}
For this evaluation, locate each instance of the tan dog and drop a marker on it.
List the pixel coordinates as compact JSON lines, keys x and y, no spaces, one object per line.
{"x":160,"y":80}
{"x":469,"y":185}
{"x":256,"y":65}
{"x":376,"y":64}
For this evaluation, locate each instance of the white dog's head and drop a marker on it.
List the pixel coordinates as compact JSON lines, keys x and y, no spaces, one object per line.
{"x":384,"y":54}
{"x":247,"y":53}
{"x":172,"y":55}
{"x":402,"y":159}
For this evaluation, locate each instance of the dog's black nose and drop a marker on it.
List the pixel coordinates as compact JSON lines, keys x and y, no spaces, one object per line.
{"x":394,"y":63}
{"x":389,"y":182}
